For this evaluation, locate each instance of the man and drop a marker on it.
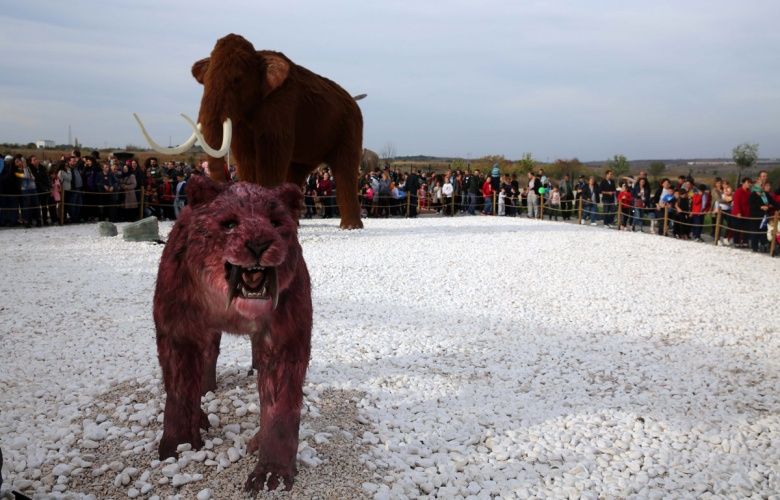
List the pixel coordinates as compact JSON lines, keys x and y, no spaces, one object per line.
{"x":76,"y":194}
{"x":566,"y":190}
{"x":608,"y":189}
{"x":533,"y":196}
{"x":740,"y":210}
{"x":472,"y":187}
{"x":411,"y":186}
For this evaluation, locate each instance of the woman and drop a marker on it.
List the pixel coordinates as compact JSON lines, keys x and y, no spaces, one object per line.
{"x":128,"y":184}
{"x":436,"y":197}
{"x":682,"y":216}
{"x":761,"y":206}
{"x":28,"y":201}
{"x":642,"y":201}
{"x":384,"y":195}
{"x":56,"y":197}
{"x":716,"y":193}
{"x":325,"y":192}
{"x":105,"y":189}
{"x":590,"y":201}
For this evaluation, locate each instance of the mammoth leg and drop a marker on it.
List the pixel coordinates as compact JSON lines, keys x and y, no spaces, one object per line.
{"x":346,"y":172}
{"x":210,"y":355}
{"x":182,"y":368}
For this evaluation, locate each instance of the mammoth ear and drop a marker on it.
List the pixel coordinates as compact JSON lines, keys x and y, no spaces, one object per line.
{"x":199,"y":69}
{"x":292,"y":197}
{"x":201,"y":189}
{"x":276,"y":70}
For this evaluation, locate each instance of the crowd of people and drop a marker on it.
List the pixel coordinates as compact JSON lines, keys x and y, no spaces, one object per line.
{"x":96,"y":189}
{"x":31,"y":191}
{"x":678,"y":207}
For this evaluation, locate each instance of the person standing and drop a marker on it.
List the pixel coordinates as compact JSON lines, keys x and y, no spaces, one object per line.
{"x":411,"y":186}
{"x":487,"y":195}
{"x":77,"y":189}
{"x":28,"y":194}
{"x":533,"y":196}
{"x":607,"y":189}
{"x":566,"y":189}
{"x":180,"y":198}
{"x":740,"y":211}
{"x":128,"y":183}
{"x":43,"y":187}
{"x":472,"y":188}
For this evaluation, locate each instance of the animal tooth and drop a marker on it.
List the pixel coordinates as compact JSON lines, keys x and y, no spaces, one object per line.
{"x":233,"y":284}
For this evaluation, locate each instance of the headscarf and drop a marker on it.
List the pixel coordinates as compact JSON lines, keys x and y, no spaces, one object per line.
{"x":759,"y":190}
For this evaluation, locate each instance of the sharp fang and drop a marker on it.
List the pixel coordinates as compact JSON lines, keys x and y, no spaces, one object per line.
{"x":273,"y":284}
{"x":233,"y":279}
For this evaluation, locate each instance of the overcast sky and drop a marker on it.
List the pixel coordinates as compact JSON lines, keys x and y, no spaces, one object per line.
{"x":586,"y":79}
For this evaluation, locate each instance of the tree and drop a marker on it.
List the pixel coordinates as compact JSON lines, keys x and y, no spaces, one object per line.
{"x":656,"y":169}
{"x":745,"y":156}
{"x":567,"y":167}
{"x":619,"y":165}
{"x":526,"y":163}
{"x":388,"y":151}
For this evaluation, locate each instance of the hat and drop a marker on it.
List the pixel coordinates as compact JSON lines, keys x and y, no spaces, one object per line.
{"x":9,"y":158}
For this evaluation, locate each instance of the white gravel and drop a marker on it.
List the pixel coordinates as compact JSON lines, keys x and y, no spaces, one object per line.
{"x":496,"y":356}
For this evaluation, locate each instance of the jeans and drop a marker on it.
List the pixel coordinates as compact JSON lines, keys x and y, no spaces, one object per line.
{"x":488,"y":205}
{"x":178,"y":206}
{"x":73,"y":202}
{"x":696,"y":230}
{"x":591,"y":212}
{"x":472,"y":204}
{"x":533,"y":205}
{"x":609,"y":206}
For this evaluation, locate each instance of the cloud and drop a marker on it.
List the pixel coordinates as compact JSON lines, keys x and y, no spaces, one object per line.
{"x":560,"y":79}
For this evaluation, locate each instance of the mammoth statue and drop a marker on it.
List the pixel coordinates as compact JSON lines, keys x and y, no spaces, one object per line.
{"x":279,"y":120}
{"x":370,"y":161}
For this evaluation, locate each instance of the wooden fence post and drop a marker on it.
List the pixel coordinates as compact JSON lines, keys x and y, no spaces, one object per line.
{"x":541,"y":206}
{"x":717,"y":228}
{"x":579,"y":210}
{"x":453,"y":204}
{"x":408,"y":204}
{"x":620,"y":215}
{"x":666,"y":220}
{"x":141,"y":205}
{"x":773,"y":243}
{"x":494,"y":204}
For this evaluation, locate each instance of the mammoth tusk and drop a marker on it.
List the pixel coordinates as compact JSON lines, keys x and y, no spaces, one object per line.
{"x":227,"y":132}
{"x":166,"y":151}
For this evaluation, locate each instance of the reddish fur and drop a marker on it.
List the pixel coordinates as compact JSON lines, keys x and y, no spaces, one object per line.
{"x":189,"y":314}
{"x":286,"y":120}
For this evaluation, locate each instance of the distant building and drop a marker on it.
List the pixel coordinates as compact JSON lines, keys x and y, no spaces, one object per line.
{"x":44,"y":143}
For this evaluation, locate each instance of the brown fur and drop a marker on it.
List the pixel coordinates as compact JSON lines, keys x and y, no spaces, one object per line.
{"x":287,"y":120}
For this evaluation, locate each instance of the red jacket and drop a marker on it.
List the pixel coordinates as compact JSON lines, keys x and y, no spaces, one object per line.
{"x":696,"y":200}
{"x":626,"y":199}
{"x":487,"y":189}
{"x":740,"y":205}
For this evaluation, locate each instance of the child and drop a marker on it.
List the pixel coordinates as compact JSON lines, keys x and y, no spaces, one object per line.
{"x":555,"y":203}
{"x":626,"y":202}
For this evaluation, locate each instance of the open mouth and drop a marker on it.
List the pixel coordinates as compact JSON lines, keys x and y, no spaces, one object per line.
{"x":251,"y":283}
